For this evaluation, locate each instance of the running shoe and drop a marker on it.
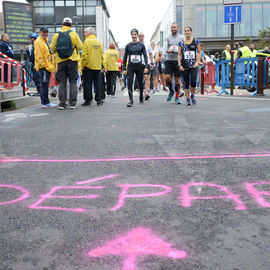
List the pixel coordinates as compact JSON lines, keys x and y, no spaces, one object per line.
{"x":61,"y":107}
{"x":188,"y":102}
{"x":177,"y":100}
{"x":171,"y":94}
{"x":73,"y":107}
{"x":130,"y":104}
{"x":86,"y":103}
{"x":147,"y":96}
{"x":52,"y":105}
{"x":193,"y":100}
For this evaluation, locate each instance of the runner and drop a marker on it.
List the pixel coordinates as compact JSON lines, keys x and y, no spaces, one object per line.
{"x":119,"y":73}
{"x":147,"y":74}
{"x":134,"y":52}
{"x":189,"y":55}
{"x":171,"y":68}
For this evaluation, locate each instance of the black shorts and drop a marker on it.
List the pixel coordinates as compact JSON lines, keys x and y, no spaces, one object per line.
{"x":119,"y":74}
{"x":190,"y":77}
{"x":171,"y":67}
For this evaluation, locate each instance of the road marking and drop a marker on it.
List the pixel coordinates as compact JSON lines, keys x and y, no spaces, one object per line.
{"x":257,"y":155}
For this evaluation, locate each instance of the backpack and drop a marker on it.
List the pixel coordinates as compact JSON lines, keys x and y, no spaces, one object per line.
{"x":64,"y":46}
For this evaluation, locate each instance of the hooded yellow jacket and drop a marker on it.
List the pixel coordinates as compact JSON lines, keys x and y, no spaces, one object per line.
{"x":92,"y":54}
{"x":110,"y":60}
{"x":43,"y":57}
{"x":76,"y":44}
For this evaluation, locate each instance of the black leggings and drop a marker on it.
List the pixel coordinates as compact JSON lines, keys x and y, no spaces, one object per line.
{"x":138,"y":70}
{"x":190,"y":77}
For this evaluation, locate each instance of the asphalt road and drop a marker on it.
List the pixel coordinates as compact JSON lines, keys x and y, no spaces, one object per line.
{"x":156,"y":186}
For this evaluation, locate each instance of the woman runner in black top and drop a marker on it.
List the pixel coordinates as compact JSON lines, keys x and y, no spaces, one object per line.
{"x":189,"y":55}
{"x":134,"y":52}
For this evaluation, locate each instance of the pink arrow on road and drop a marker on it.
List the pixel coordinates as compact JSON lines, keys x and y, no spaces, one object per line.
{"x":138,"y":242}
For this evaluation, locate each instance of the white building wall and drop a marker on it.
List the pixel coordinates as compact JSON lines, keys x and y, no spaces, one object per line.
{"x":169,"y":17}
{"x":102,"y":27}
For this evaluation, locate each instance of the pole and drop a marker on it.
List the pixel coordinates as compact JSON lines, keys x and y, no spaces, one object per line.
{"x":83,"y":19}
{"x":232,"y":58}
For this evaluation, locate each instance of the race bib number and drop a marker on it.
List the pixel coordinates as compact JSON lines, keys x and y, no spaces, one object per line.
{"x":190,"y":55}
{"x":135,"y":59}
{"x":174,"y":48}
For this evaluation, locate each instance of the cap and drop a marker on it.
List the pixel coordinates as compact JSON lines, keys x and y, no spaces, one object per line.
{"x":67,"y":20}
{"x":134,"y":30}
{"x":44,"y":29}
{"x":33,"y":35}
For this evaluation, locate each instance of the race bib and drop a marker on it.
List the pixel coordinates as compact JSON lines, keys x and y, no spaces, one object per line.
{"x":135,"y":59}
{"x":190,"y":55}
{"x":174,"y":48}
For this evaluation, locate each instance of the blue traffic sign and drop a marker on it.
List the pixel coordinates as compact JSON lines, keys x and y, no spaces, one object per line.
{"x":233,"y":14}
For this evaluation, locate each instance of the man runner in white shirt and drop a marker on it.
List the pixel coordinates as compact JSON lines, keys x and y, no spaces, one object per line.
{"x":170,"y":49}
{"x":151,"y":64}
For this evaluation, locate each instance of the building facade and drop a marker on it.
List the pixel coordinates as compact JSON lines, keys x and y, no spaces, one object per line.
{"x":206,"y":19}
{"x":95,"y":14}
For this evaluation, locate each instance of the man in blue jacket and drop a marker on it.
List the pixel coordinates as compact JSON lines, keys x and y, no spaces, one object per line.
{"x":36,"y":77}
{"x":6,"y":49}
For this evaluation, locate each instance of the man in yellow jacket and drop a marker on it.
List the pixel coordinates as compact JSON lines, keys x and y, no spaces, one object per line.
{"x":66,"y":45}
{"x":91,"y":62}
{"x":44,"y":64}
{"x":111,"y":68}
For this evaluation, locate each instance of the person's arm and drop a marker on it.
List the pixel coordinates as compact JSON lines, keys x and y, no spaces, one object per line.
{"x":145,"y":57}
{"x":53,"y":43}
{"x":239,"y":54}
{"x":125,"y":58}
{"x":78,"y":43}
{"x":84,"y":56}
{"x":223,"y":56}
{"x":198,"y":56}
{"x":180,"y":57}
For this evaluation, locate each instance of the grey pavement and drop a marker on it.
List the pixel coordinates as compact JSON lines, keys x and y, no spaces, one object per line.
{"x":176,"y":187}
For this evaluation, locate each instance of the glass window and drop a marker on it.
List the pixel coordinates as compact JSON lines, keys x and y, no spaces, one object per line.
{"x":222,"y":29}
{"x":90,"y":2}
{"x":199,"y":21}
{"x":256,"y":16}
{"x":70,"y":3}
{"x":39,"y":16}
{"x":245,"y":26}
{"x":211,"y":21}
{"x":38,"y":3}
{"x":59,"y":3}
{"x":70,"y":11}
{"x":90,"y":15}
{"x":266,"y":17}
{"x":179,"y":18}
{"x":59,"y":14}
{"x":48,"y":3}
{"x":78,"y":3}
{"x":49,"y":15}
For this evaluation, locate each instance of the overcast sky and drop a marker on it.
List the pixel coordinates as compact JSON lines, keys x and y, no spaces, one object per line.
{"x":127,"y":14}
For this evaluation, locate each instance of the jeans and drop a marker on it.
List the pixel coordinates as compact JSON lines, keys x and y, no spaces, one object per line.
{"x":44,"y":84}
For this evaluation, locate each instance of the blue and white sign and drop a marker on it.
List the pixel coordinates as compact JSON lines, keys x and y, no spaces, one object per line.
{"x":233,"y":14}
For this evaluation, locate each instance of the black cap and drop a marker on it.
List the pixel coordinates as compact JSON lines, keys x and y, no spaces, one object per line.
{"x":134,"y":30}
{"x":44,"y":29}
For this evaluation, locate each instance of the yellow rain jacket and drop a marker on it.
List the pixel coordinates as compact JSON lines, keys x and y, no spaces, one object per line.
{"x":76,"y":43}
{"x":43,"y":57}
{"x":110,"y":60}
{"x":92,"y":53}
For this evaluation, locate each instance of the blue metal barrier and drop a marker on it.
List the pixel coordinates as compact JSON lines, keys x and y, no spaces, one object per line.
{"x":245,"y":74}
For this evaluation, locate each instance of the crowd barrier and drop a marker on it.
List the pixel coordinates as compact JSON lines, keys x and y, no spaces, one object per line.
{"x":207,"y":77}
{"x":11,"y":68}
{"x":245,"y":74}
